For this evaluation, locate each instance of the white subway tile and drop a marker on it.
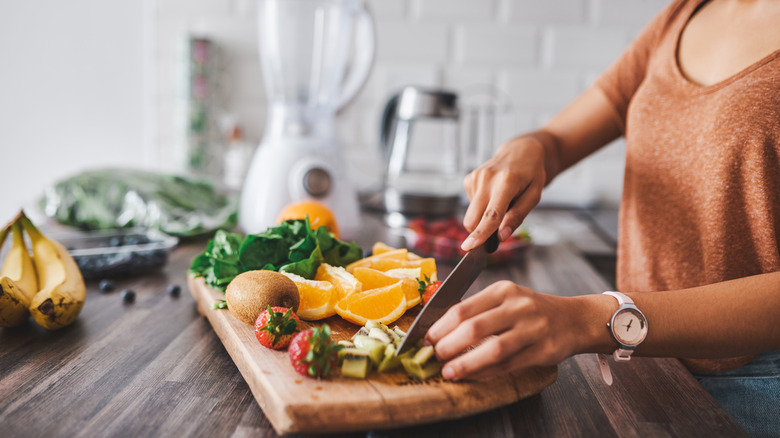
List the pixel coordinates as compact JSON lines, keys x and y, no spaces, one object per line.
{"x":234,"y":36}
{"x":351,"y":124}
{"x":398,"y":76}
{"x":242,"y":79}
{"x":574,"y":186}
{"x":630,"y":13}
{"x":463,"y":79}
{"x":405,"y":42}
{"x":460,"y":10}
{"x":250,"y":114}
{"x":193,"y":7}
{"x":547,"y":11}
{"x":387,"y":9}
{"x":580,"y":46}
{"x":246,"y":8}
{"x":540,"y":90}
{"x":490,"y":45}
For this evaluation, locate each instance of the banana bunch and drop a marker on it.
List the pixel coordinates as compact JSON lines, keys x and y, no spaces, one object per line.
{"x":48,"y":285}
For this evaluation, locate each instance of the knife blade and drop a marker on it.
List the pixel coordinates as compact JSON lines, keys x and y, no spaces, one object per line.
{"x":451,"y":291}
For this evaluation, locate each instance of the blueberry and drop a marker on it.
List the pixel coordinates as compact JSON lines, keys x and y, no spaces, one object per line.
{"x":128,"y":295}
{"x":174,"y":290}
{"x":107,"y":286}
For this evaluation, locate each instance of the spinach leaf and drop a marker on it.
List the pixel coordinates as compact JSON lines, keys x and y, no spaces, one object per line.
{"x":307,"y":267}
{"x":291,"y":246}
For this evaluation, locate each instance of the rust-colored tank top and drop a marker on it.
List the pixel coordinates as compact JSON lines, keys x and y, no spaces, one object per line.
{"x":701,"y":195}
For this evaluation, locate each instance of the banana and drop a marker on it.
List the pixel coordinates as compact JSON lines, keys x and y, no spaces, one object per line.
{"x":18,"y":282}
{"x":62,"y":290}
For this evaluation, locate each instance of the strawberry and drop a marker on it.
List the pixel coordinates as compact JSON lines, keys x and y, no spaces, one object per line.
{"x":276,"y":327}
{"x":427,"y":288}
{"x":313,"y":353}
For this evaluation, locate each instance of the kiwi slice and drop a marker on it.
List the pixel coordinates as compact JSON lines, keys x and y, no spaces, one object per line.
{"x":392,"y":336}
{"x":420,"y":371}
{"x":390,"y":361}
{"x":374,"y":348}
{"x":423,"y":355}
{"x":345,"y":344}
{"x":363,"y":331}
{"x":356,"y":363}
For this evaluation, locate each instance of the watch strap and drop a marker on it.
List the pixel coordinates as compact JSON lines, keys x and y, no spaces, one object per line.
{"x":621,"y":298}
{"x":620,"y":354}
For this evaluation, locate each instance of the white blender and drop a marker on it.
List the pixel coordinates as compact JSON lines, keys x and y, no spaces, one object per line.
{"x":305,"y":47}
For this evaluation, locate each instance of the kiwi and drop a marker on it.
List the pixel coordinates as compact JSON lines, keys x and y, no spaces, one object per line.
{"x":253,"y":291}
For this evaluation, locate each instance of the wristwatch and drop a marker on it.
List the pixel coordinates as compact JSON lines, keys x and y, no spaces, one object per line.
{"x":628,"y":327}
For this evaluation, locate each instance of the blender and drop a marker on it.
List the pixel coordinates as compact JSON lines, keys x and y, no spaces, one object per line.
{"x":305,"y":48}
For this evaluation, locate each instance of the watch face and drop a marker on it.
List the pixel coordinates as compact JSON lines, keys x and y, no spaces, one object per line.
{"x":629,"y":327}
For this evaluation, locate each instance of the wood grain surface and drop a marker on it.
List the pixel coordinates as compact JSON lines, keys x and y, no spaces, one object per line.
{"x":294,"y":403}
{"x":156,"y":368}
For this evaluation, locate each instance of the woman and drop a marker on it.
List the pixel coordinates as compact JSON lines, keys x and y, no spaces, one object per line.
{"x":697,"y":96}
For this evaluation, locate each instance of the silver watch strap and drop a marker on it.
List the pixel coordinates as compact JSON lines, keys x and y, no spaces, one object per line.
{"x":621,"y":298}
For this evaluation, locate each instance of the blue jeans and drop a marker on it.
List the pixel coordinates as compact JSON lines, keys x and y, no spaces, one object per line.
{"x":750,"y":394}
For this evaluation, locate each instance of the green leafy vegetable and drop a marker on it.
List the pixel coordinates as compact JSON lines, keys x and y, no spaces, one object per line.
{"x":291,"y":246}
{"x":110,"y":198}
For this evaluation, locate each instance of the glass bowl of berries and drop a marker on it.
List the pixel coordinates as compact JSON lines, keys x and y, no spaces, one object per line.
{"x":441,"y":239}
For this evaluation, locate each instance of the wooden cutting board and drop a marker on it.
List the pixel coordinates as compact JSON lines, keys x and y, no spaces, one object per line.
{"x":294,"y":403}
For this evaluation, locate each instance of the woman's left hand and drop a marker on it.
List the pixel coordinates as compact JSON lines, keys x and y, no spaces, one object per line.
{"x":511,"y":327}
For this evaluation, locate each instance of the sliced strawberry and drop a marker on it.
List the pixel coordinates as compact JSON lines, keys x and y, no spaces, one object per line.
{"x":427,"y":288}
{"x":276,"y":327}
{"x":430,"y":290}
{"x":313,"y":353}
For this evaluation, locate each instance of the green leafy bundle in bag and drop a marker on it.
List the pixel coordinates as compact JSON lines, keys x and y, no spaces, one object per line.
{"x":125,"y":198}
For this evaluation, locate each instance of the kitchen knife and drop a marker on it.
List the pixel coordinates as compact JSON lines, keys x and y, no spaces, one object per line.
{"x":451,"y":291}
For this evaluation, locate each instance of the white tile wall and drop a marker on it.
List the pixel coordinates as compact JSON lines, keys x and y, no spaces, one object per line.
{"x":540,"y":53}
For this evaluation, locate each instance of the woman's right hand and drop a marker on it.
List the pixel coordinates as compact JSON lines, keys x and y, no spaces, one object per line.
{"x":503,"y":190}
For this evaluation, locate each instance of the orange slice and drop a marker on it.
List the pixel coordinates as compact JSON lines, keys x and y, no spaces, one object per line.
{"x":318,"y":298}
{"x":370,"y":262}
{"x":409,"y":277}
{"x":372,"y":279}
{"x":381,"y":248}
{"x":385,"y":305}
{"x":427,"y":265}
{"x":345,"y":283}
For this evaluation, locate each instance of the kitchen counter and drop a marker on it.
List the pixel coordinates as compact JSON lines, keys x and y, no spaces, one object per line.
{"x":156,"y":368}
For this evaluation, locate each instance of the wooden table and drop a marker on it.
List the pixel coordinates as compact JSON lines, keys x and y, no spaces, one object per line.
{"x":155,"y":368}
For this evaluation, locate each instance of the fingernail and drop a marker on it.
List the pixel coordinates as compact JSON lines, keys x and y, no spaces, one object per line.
{"x":504,"y":233}
{"x":468,"y":243}
{"x":447,"y":372}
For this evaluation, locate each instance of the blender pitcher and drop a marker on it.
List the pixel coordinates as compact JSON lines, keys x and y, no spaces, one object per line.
{"x":305,"y":48}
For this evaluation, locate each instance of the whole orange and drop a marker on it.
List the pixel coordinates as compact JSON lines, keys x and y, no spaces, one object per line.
{"x":318,"y":213}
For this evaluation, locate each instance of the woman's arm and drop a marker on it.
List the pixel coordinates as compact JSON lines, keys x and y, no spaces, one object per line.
{"x":516,"y":327}
{"x":521,"y":168}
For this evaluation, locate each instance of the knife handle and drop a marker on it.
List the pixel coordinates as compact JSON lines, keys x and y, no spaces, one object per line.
{"x":491,"y":244}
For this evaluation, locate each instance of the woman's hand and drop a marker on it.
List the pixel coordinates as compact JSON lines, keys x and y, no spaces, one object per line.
{"x":514,"y":175}
{"x":523,"y":166}
{"x":512,"y":327}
